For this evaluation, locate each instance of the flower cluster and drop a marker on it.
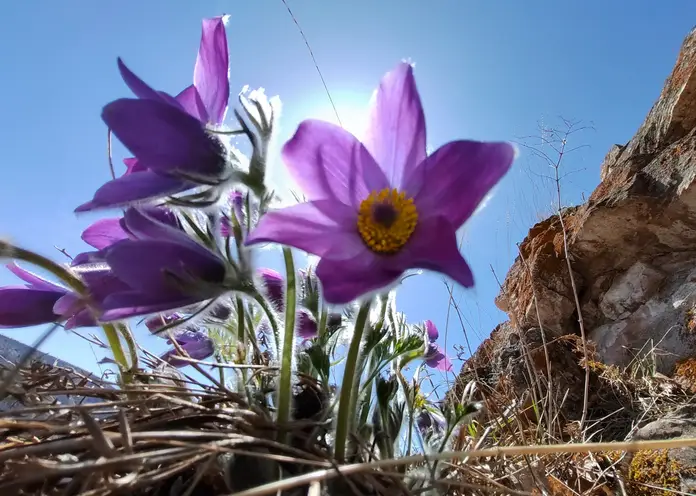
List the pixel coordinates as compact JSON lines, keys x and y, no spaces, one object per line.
{"x":180,"y":252}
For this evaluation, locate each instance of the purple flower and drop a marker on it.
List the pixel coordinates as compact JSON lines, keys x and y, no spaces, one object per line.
{"x":196,"y":343}
{"x":156,"y":322}
{"x":163,"y":268}
{"x":427,"y":420}
{"x":40,"y":301}
{"x":334,"y":319}
{"x":106,"y":232}
{"x":435,"y":357}
{"x":274,"y":287}
{"x":379,"y":208}
{"x":31,"y":304}
{"x":221,"y":311}
{"x":236,"y":202}
{"x":306,"y":326}
{"x":173,"y":150}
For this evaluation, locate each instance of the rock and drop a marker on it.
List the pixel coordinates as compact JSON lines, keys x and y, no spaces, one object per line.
{"x":632,"y":251}
{"x":633,"y":288}
{"x":632,"y":245}
{"x":610,"y":160}
{"x":681,"y":462}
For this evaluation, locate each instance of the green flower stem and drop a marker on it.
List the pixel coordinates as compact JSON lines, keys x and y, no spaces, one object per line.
{"x":351,"y":375}
{"x":127,"y":335}
{"x":285,"y":382}
{"x":75,"y":284}
{"x":269,"y":314}
{"x":322,"y":321}
{"x":241,"y":336}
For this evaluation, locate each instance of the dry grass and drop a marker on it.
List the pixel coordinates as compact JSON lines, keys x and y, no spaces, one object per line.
{"x":199,"y":440}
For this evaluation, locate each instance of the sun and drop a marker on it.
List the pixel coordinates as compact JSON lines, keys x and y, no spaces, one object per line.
{"x":350,"y":112}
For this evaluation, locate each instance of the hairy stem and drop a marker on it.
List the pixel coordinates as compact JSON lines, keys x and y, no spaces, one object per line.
{"x":351,"y":375}
{"x":285,"y":382}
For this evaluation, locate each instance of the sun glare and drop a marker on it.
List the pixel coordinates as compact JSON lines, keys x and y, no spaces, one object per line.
{"x":352,"y":110}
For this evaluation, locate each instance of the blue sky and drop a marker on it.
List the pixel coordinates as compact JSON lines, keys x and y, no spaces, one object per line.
{"x":485,"y":70}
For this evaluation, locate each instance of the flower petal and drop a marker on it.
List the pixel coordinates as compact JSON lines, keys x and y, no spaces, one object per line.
{"x":35,"y":281}
{"x":103,"y":233}
{"x":133,"y":166}
{"x":88,"y":257}
{"x":431,"y":329}
{"x":307,"y":227}
{"x":211,"y":74}
{"x":343,"y":281}
{"x":396,"y":133}
{"x":164,"y":138}
{"x":132,"y":304}
{"x":81,"y":319}
{"x":437,"y":359}
{"x":433,"y":246}
{"x":453,"y":180}
{"x":134,"y":188}
{"x":329,"y":163}
{"x":101,"y":283}
{"x":199,"y":349}
{"x":191,"y":101}
{"x":68,"y":304}
{"x":144,"y":265}
{"x":306,"y":326}
{"x":147,"y":223}
{"x":141,"y":89}
{"x":23,"y":307}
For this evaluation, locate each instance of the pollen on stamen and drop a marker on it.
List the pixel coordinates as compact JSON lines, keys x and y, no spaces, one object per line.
{"x":386,"y":220}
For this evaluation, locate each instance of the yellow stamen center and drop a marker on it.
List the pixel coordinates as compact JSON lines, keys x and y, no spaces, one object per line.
{"x":386,"y":220}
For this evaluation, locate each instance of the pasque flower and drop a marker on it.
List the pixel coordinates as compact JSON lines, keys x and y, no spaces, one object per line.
{"x":273,"y":285}
{"x":435,"y":357}
{"x":30,"y":304}
{"x":40,"y":301}
{"x":105,"y":232}
{"x":157,"y":322}
{"x":195,"y":342}
{"x":173,"y":149}
{"x":163,"y":268}
{"x":237,"y":208}
{"x":379,"y":208}
{"x":306,"y":326}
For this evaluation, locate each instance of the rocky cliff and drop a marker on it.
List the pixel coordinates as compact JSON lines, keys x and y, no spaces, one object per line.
{"x":632,"y":248}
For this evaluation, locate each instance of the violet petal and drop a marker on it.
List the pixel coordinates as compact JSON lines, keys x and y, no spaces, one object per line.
{"x":103,"y":233}
{"x":133,"y":165}
{"x":34,"y":280}
{"x":211,"y":73}
{"x":143,"y":265}
{"x":23,"y":307}
{"x":433,"y":246}
{"x":133,"y":188}
{"x":132,"y":304}
{"x":343,"y":281}
{"x":455,"y":179}
{"x":142,"y":225}
{"x":396,"y":133}
{"x":82,"y":318}
{"x":437,"y":359}
{"x":306,"y":227}
{"x":306,"y":326}
{"x":68,"y":304}
{"x":329,"y":163}
{"x":164,"y":138}
{"x":141,"y":89}
{"x":431,"y":329}
{"x":274,"y":286}
{"x":191,"y":101}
